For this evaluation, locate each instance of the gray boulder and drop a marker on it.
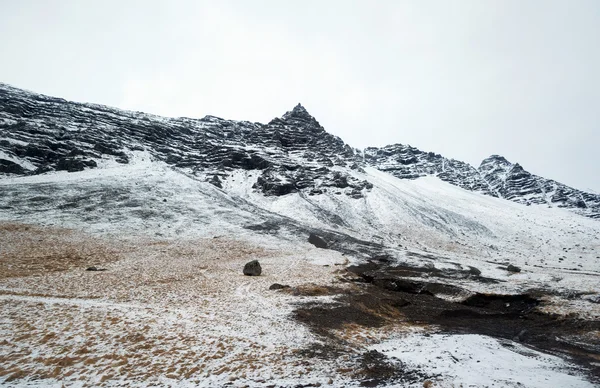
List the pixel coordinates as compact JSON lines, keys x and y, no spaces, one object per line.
{"x":252,"y":268}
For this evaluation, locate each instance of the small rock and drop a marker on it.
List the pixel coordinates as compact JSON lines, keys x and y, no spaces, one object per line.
{"x":277,"y":286}
{"x":216,"y":181}
{"x":474,"y":271}
{"x":317,"y":241}
{"x":252,"y":268}
{"x":94,"y":268}
{"x":513,"y":268}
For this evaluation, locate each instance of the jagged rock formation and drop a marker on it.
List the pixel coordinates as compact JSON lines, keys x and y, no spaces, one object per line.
{"x":511,"y":181}
{"x":406,"y":162}
{"x":293,"y":153}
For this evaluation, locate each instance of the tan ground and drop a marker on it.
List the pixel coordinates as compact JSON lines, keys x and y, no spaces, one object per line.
{"x":163,"y":312}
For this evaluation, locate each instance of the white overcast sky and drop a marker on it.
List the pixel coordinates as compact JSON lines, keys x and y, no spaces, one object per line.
{"x":466,"y":79}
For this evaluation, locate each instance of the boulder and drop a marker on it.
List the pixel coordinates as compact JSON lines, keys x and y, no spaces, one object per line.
{"x":252,"y":268}
{"x":474,"y":271}
{"x":317,"y":241}
{"x":513,"y":268}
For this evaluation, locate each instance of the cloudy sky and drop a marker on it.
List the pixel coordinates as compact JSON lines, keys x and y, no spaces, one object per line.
{"x":462,"y":78}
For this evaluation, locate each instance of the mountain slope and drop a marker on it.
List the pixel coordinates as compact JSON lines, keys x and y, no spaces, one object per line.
{"x":170,"y":209}
{"x":294,"y":153}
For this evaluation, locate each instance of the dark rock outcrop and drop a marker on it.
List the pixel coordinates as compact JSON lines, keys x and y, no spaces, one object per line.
{"x":317,"y":241}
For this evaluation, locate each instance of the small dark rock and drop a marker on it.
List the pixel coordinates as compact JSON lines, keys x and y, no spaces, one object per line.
{"x":513,"y":268}
{"x":277,"y":286}
{"x":474,"y":271}
{"x":215,"y":181}
{"x":317,"y":241}
{"x":252,"y":268}
{"x":94,"y":268}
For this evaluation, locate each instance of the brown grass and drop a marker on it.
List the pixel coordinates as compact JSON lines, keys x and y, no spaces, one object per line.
{"x":313,"y":290}
{"x":29,"y":250}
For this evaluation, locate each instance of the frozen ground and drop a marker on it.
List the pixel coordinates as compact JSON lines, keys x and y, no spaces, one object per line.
{"x":480,"y":361}
{"x":172,"y":307}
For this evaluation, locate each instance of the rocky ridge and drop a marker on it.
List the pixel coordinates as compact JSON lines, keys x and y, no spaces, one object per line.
{"x":290,"y":154}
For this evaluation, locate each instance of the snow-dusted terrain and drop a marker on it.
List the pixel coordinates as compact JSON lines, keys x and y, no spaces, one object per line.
{"x":173,"y":209}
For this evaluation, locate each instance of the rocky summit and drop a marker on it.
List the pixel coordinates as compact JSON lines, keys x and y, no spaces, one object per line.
{"x":291,"y":154}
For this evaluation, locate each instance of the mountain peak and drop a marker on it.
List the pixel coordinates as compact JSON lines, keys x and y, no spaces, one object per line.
{"x":299,"y":109}
{"x":299,"y":112}
{"x":496,"y":159}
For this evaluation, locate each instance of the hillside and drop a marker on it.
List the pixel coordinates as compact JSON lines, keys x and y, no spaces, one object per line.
{"x":419,"y":259}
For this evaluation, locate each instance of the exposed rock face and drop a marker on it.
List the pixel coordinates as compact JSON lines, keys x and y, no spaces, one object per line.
{"x":290,"y":154}
{"x":317,"y":241}
{"x":252,"y":268}
{"x":406,"y":162}
{"x":511,"y":181}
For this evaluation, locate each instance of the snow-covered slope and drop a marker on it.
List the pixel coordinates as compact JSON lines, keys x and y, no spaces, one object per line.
{"x":396,"y":216}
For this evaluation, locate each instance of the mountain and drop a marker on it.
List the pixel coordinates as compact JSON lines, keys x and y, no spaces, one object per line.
{"x":293,"y":153}
{"x":511,"y":181}
{"x":123,"y":236}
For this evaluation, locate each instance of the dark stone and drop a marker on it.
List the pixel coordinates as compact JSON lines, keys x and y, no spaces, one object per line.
{"x":252,"y":268}
{"x":513,"y":268}
{"x":216,"y":181}
{"x":94,"y":268}
{"x":277,"y":286}
{"x":317,"y":241}
{"x":474,"y":271}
